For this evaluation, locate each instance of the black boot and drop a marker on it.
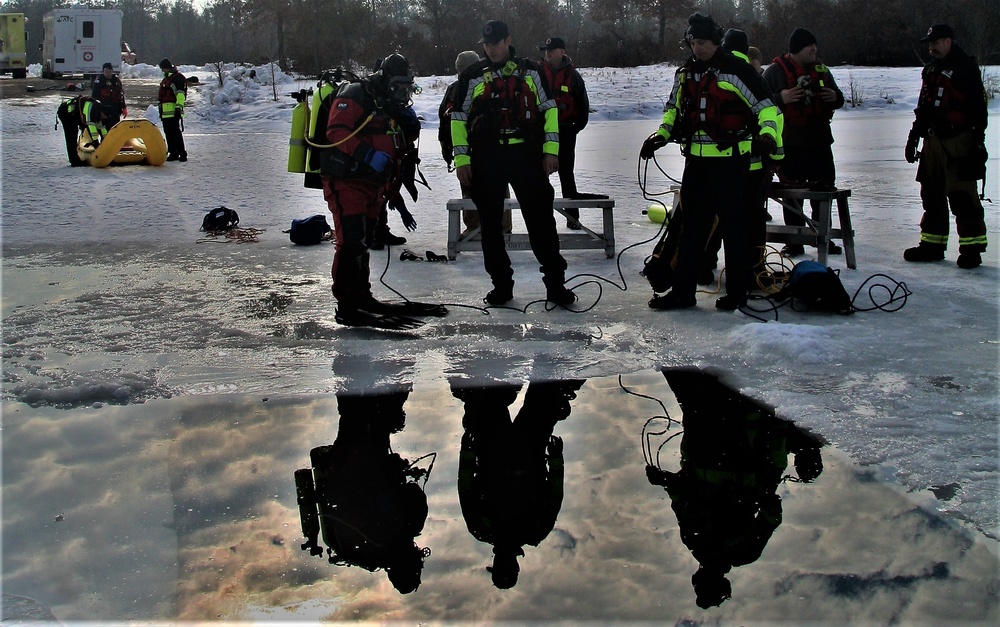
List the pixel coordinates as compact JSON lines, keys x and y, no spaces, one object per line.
{"x":924,"y":252}
{"x":967,"y":261}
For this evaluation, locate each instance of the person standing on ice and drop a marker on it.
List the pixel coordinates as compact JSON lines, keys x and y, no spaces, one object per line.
{"x":108,"y":89}
{"x":371,"y":129}
{"x":570,"y":93}
{"x":172,"y":96}
{"x":505,"y":131}
{"x":805,"y":91}
{"x":720,"y":111}
{"x":951,"y":118}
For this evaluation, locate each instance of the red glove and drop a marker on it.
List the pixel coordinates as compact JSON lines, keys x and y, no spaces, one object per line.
{"x":125,"y":112}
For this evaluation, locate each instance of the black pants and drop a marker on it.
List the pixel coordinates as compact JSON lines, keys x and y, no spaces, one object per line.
{"x":175,"y":138}
{"x":494,"y":166}
{"x":713,"y":185}
{"x":812,"y":165}
{"x":567,"y":162}
{"x":71,"y":129}
{"x":755,"y":190}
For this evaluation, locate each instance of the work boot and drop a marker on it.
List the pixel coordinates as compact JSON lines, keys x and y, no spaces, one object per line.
{"x":182,"y":157}
{"x":672,"y":300}
{"x":382,"y":237}
{"x":967,"y":261}
{"x":500,"y":295}
{"x":706,"y":276}
{"x":833,"y":249}
{"x":793,"y":250}
{"x":172,"y":157}
{"x":560,"y":295}
{"x":924,"y":252}
{"x":731,"y":302}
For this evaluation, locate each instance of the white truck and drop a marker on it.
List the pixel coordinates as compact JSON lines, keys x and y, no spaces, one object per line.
{"x":79,"y":40}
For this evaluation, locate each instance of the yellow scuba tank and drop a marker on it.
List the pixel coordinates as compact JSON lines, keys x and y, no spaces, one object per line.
{"x":297,"y":140}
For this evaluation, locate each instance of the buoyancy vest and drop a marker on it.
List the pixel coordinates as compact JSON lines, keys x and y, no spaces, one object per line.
{"x":109,"y":91}
{"x":506,"y":108}
{"x":560,"y":82}
{"x":810,"y":109}
{"x":719,"y":113}
{"x":172,"y":94}
{"x":940,"y":98}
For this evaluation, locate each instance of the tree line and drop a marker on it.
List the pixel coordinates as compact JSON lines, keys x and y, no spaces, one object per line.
{"x":307,"y":36}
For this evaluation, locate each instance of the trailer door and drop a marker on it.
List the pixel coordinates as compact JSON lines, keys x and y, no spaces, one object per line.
{"x":88,"y":36}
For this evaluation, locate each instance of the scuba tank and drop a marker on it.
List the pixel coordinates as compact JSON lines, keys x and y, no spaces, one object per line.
{"x":297,"y":140}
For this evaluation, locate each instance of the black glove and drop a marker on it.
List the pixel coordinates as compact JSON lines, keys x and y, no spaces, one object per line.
{"x":396,"y":204}
{"x":763,"y":145}
{"x":653,"y":143}
{"x":911,"y":148}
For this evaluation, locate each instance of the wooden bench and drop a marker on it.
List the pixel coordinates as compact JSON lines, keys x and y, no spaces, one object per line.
{"x":816,"y":232}
{"x":584,"y":238}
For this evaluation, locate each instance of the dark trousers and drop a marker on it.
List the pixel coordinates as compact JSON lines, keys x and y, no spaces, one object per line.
{"x":355,"y":208}
{"x":755,"y":190}
{"x":713,"y":185}
{"x":812,"y":166}
{"x":175,"y":138}
{"x":494,"y":166}
{"x":567,"y":162}
{"x":941,"y":186}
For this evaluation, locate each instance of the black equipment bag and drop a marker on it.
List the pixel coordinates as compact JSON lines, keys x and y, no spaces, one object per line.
{"x":220,"y":219}
{"x":309,"y":231}
{"x":817,"y":287}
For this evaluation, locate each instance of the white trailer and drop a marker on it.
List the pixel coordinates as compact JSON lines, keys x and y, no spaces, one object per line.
{"x":79,"y":40}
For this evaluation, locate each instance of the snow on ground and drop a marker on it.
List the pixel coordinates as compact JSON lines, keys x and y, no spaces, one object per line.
{"x":111,"y":295}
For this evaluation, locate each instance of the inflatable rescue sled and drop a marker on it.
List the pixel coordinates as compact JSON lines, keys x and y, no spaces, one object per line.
{"x":129,"y":141}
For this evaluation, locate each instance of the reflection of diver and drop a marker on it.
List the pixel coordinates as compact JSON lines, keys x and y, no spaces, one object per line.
{"x":510,"y":474}
{"x":734,"y":452}
{"x":370,"y":504}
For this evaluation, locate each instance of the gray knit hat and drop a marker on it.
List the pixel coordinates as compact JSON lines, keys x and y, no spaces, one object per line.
{"x":465,"y":59}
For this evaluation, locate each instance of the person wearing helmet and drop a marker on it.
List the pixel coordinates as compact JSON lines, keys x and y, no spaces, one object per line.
{"x":108,"y":89}
{"x":372,"y":129}
{"x":172,"y":97}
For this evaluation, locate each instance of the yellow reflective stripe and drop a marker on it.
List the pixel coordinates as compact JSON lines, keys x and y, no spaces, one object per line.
{"x":978,"y":239}
{"x":931,"y":238}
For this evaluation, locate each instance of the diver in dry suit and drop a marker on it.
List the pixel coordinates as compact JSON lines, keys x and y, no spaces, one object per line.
{"x":372,"y":130}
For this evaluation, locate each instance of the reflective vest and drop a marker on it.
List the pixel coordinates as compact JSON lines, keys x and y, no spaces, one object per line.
{"x":560,"y":81}
{"x":505,"y":107}
{"x":811,"y":108}
{"x":718,"y":112}
{"x":173,"y":93}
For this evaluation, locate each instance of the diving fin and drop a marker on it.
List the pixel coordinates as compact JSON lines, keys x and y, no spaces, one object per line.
{"x":366,"y":318}
{"x":407,"y":308}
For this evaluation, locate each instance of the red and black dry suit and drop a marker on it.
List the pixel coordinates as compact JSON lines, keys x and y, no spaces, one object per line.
{"x":567,"y":88}
{"x":808,"y":138}
{"x":112,"y":96}
{"x":361,"y":124}
{"x":502,"y":124}
{"x":951,"y":117}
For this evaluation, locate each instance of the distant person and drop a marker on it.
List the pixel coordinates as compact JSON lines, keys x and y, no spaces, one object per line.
{"x":717,"y":141}
{"x":108,"y":89}
{"x":755,"y":58}
{"x":805,"y":91}
{"x":951,"y":118}
{"x":502,"y":140}
{"x":469,"y":218}
{"x":567,"y":88}
{"x":78,"y":114}
{"x":172,"y":96}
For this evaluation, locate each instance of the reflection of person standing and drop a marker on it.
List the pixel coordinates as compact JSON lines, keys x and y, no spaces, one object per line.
{"x":951,"y":118}
{"x":108,"y":89}
{"x":567,"y":88}
{"x":173,"y":95}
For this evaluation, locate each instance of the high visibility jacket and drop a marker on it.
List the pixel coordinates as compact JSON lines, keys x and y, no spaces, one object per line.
{"x":504,"y":102}
{"x":86,"y":112}
{"x":173,"y":93}
{"x":570,"y":93}
{"x":952,"y":98}
{"x":716,"y":107}
{"x":757,"y":161}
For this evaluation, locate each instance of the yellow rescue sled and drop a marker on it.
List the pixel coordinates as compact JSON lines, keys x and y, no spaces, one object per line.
{"x":129,"y":141}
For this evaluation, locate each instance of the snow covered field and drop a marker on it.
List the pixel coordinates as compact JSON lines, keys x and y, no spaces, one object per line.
{"x":112,"y":297}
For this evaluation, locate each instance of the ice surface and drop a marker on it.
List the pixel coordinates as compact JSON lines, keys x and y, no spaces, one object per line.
{"x":112,"y":296}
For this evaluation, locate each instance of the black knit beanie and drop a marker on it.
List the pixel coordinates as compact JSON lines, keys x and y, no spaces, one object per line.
{"x":703,"y":27}
{"x":736,"y":41}
{"x":800,"y":39}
